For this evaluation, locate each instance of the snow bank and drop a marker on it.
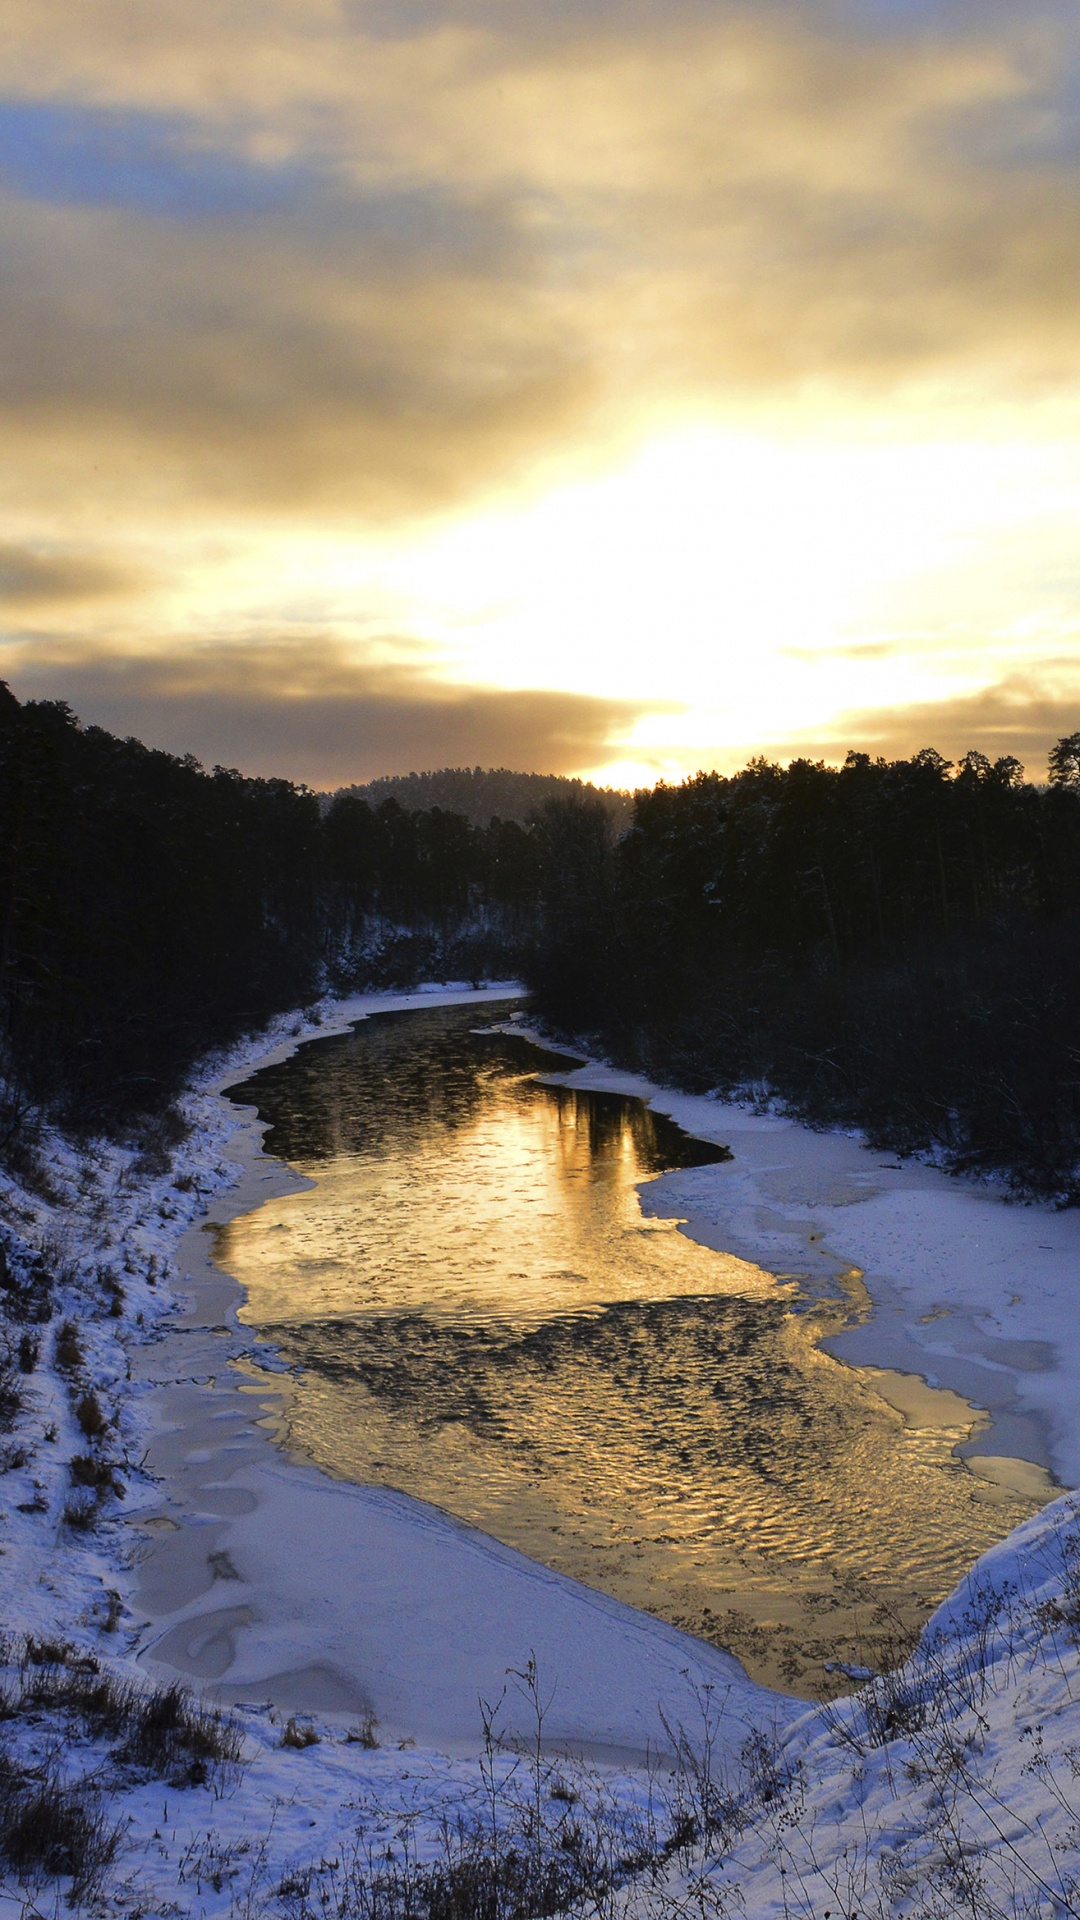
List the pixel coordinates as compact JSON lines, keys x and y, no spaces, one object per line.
{"x":963,"y":1288}
{"x":271,"y":1585}
{"x":949,"y":1786}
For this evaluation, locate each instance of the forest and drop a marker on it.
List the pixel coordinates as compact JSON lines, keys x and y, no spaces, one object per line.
{"x":481,"y":793}
{"x":150,"y":910}
{"x":886,"y":945}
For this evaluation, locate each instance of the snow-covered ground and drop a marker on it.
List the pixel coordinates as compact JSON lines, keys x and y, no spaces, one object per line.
{"x":950,"y":1786}
{"x":366,"y":1617}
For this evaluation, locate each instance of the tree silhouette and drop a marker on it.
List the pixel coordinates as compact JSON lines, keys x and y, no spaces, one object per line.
{"x":890,"y":944}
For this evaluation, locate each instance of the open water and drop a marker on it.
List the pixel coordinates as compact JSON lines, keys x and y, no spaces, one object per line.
{"x":475,"y":1309}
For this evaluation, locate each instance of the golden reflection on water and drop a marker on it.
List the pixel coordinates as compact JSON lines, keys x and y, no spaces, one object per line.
{"x":478,"y":1312}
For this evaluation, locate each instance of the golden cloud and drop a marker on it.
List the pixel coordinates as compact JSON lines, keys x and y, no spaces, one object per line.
{"x":305,"y":710}
{"x":34,"y":578}
{"x":323,"y":265}
{"x":1021,"y":714}
{"x":500,"y":232}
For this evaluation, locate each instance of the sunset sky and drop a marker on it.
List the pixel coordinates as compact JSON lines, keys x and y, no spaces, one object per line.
{"x":599,"y":386}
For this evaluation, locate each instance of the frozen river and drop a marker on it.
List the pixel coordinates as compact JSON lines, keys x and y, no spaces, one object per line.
{"x":475,"y":1310}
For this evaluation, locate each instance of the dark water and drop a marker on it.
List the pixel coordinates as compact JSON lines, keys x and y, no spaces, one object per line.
{"x":477,"y":1311}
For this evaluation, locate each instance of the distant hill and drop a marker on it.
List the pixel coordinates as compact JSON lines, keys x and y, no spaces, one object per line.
{"x":481,"y":793}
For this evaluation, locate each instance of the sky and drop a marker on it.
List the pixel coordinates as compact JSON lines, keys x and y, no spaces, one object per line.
{"x":612,"y":387}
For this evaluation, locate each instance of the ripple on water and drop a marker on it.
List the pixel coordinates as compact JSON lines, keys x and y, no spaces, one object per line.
{"x":479,"y":1314}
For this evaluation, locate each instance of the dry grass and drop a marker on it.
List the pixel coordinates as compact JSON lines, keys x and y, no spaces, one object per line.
{"x":170,"y":1734}
{"x":364,"y":1734}
{"x":296,"y":1735}
{"x":49,"y":1831}
{"x":161,"y":1731}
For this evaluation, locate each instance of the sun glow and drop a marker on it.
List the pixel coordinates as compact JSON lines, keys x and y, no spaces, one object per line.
{"x":741,"y":590}
{"x":748,"y":586}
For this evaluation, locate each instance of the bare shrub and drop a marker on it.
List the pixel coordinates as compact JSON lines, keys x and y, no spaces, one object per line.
{"x":26,"y":1291}
{"x":12,"y":1391}
{"x":113,"y":1290}
{"x":56,"y":1256}
{"x":69,"y":1352}
{"x":29,"y":1352}
{"x":88,"y":1471}
{"x":82,"y":1511}
{"x":20,"y":1127}
{"x":158,"y":1135}
{"x":89,"y":1414}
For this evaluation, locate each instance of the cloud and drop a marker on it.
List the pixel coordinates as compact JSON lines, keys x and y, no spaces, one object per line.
{"x":1021,"y":714}
{"x":323,"y":265}
{"x":264,"y":368}
{"x":302,"y":709}
{"x":373,"y":258}
{"x":30,"y":577}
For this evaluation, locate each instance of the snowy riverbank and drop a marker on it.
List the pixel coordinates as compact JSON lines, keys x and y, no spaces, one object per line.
{"x":971,"y":1293}
{"x":373,"y":1618}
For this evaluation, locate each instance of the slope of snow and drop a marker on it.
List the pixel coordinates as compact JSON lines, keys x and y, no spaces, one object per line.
{"x":950,"y":1786}
{"x":372,"y":1617}
{"x":951,"y":1783}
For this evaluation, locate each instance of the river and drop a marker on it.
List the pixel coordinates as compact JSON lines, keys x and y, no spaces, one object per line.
{"x":474,"y":1309}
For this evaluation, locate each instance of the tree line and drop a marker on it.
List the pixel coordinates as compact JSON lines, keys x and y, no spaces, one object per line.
{"x":150,"y":909}
{"x":888,"y":944}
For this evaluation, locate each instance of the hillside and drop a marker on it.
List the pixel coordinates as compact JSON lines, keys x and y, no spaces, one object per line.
{"x":486,"y":793}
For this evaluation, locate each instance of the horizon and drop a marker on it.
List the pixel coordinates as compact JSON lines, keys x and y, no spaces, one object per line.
{"x":832,"y":765}
{"x":833,"y":762}
{"x":614,"y":388}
